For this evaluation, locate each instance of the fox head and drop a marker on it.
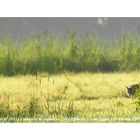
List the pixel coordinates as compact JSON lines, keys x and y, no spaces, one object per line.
{"x":131,"y":90}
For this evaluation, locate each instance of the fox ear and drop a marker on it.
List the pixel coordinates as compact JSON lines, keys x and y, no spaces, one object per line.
{"x":126,"y":87}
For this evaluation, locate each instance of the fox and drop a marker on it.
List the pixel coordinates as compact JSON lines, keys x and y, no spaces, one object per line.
{"x":131,"y":90}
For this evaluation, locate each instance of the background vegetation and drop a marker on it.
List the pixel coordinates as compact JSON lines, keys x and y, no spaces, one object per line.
{"x":50,"y":54}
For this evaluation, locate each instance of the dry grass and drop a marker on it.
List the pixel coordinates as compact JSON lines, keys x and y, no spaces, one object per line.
{"x":69,"y":95}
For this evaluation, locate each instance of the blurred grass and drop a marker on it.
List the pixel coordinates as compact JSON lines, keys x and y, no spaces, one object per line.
{"x":48,"y":53}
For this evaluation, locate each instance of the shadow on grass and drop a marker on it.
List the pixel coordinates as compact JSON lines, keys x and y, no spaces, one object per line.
{"x":86,"y":97}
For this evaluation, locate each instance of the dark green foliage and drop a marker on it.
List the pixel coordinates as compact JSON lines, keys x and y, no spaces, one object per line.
{"x":50,"y":54}
{"x":33,"y":107}
{"x":71,"y":112}
{"x":4,"y":106}
{"x":137,"y":100}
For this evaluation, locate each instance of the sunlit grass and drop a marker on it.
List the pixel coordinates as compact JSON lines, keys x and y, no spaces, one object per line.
{"x":83,"y":95}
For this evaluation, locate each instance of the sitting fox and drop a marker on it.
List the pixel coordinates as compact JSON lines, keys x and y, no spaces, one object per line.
{"x":131,"y":90}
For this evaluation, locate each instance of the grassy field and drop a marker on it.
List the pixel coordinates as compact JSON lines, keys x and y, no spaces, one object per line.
{"x":46,"y":79}
{"x":68,"y":97}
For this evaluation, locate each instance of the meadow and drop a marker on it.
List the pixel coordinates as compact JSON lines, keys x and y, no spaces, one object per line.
{"x":45,"y":79}
{"x":68,"y":97}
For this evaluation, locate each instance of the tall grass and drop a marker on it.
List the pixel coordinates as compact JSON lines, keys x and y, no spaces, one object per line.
{"x":83,"y":95}
{"x":50,"y":54}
